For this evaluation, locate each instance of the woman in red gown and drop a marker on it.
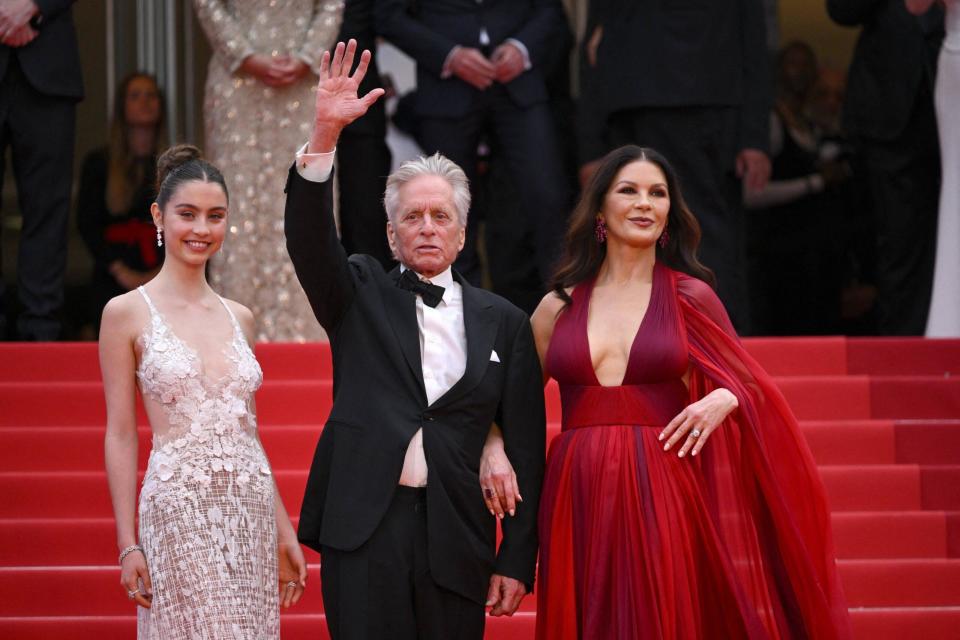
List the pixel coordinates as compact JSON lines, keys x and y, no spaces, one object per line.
{"x":680,"y":499}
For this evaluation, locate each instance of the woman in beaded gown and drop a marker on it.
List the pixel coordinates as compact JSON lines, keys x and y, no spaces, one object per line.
{"x":258,"y":106}
{"x":215,"y":541}
{"x":944,"y":318}
{"x":680,"y":500}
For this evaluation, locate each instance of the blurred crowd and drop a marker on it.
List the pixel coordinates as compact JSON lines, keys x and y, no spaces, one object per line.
{"x":817,"y":188}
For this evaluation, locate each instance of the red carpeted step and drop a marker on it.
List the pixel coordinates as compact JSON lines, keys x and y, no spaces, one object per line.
{"x":940,"y":487}
{"x":294,"y":625}
{"x":86,"y":591}
{"x":84,"y":494}
{"x":872,"y":487}
{"x":890,"y":534}
{"x":38,"y":542}
{"x":800,"y":356}
{"x":897,"y":583}
{"x":827,"y":397}
{"x":310,"y":361}
{"x":928,"y":441}
{"x":910,"y":398}
{"x":81,"y":448}
{"x":851,"y":441}
{"x":82,"y":404}
{"x":49,"y":361}
{"x":903,"y":356}
{"x":905,"y":623}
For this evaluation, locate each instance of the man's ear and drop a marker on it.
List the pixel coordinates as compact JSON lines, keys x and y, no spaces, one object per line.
{"x":391,"y":238}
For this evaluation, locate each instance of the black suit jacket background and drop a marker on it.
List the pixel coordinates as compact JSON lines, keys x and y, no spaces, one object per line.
{"x":894,"y":61}
{"x":428,"y":29}
{"x":380,"y":402}
{"x":51,"y":63}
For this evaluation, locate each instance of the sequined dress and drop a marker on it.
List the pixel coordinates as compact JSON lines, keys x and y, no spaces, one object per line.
{"x":252,"y":133}
{"x":206,"y":508}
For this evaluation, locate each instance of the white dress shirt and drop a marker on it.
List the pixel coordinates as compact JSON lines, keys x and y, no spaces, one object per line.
{"x":443,"y":337}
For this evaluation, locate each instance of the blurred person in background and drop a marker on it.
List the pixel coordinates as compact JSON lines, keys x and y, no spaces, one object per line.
{"x":259,"y":105}
{"x":888,"y":113}
{"x":40,"y":85}
{"x":117,"y":186}
{"x":944,"y":318}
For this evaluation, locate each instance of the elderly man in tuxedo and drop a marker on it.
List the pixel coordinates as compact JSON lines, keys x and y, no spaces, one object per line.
{"x":424,"y":364}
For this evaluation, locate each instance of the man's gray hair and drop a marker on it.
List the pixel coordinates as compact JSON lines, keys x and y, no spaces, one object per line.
{"x":435,"y":165}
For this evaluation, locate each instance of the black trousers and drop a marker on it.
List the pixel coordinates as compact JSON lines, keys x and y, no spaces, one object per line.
{"x":364,"y":163}
{"x":904,"y":180}
{"x":39,"y":129}
{"x":384,"y":589}
{"x":700,"y":144}
{"x":528,"y":145}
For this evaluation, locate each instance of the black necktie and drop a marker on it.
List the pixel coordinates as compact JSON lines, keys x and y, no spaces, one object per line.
{"x":431,"y":294}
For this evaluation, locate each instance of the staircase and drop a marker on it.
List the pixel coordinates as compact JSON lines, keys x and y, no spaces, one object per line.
{"x":882,"y":417}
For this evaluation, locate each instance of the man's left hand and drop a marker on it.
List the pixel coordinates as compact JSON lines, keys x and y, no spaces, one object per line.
{"x":20,"y":37}
{"x":14,"y":15}
{"x":508,"y":62}
{"x":505,"y":595}
{"x":753,"y":167}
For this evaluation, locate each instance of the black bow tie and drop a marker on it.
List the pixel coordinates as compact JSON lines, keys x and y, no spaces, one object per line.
{"x":431,"y":294}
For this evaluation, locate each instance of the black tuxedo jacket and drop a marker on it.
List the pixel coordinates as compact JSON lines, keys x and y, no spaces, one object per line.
{"x":51,"y":63}
{"x":379,"y":402}
{"x":427,"y":30}
{"x":893,"y":63}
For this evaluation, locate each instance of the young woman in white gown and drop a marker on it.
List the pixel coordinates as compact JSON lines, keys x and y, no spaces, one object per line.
{"x":214,"y":537}
{"x":944,"y":318}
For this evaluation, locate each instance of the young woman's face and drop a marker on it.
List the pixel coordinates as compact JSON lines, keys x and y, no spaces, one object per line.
{"x":142,"y":103}
{"x":636,"y":205}
{"x":194,"y":221}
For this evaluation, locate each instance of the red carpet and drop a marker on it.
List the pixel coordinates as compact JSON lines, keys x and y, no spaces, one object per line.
{"x":882,"y":417}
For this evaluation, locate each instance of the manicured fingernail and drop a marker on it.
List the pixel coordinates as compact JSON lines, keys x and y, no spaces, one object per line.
{"x":489,"y":603}
{"x":694,"y":452}
{"x":680,"y":454}
{"x":666,"y":447}
{"x":492,"y":513}
{"x":660,"y":437}
{"x":513,"y":512}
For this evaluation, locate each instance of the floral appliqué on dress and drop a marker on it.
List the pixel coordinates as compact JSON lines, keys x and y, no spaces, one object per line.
{"x":206,"y":509}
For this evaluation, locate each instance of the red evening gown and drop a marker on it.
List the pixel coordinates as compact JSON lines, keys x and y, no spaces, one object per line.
{"x":637,"y":543}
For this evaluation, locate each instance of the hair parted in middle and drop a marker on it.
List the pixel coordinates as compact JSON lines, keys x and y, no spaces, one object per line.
{"x":184,"y":163}
{"x":435,"y":165}
{"x":582,"y":255}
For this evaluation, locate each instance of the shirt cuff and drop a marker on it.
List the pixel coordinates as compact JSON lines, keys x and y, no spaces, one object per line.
{"x":445,"y":70}
{"x":527,"y":65}
{"x":315,"y":167}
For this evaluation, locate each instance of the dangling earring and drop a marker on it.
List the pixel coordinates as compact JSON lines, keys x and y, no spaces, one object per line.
{"x":601,"y":230}
{"x":664,"y":238}
{"x":159,"y":237}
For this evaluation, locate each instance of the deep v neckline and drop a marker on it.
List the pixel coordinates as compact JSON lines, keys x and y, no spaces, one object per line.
{"x":588,"y":299}
{"x":205,"y":380}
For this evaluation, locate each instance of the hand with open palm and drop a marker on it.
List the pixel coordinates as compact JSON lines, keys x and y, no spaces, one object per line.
{"x":337,"y":101}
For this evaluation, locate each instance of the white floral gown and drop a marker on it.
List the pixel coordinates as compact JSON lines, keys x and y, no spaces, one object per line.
{"x":206,"y":509}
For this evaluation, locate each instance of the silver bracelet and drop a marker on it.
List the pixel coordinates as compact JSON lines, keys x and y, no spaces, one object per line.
{"x":128,"y":551}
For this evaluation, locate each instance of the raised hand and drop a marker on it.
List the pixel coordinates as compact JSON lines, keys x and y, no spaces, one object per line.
{"x":337,"y":101}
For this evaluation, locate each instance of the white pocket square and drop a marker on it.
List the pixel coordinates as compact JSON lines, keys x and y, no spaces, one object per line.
{"x":494,"y":357}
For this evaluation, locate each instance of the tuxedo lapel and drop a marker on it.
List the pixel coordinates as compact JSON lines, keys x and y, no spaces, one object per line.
{"x":401,"y":312}
{"x":480,"y":326}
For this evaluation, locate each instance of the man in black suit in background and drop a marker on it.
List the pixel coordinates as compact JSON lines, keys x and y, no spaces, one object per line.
{"x":364,"y":157}
{"x":889,"y":114}
{"x":480,"y":69}
{"x":424,"y":364}
{"x":40,"y":84}
{"x":691,"y":79}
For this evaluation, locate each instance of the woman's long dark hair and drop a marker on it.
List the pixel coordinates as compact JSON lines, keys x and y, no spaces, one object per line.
{"x":583,"y":255}
{"x":126,"y":173}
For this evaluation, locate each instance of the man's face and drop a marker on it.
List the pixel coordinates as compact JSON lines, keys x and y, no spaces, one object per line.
{"x":427,"y":234}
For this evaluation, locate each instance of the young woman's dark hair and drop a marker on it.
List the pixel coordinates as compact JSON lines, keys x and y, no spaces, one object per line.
{"x":184,"y":163}
{"x":583,"y":255}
